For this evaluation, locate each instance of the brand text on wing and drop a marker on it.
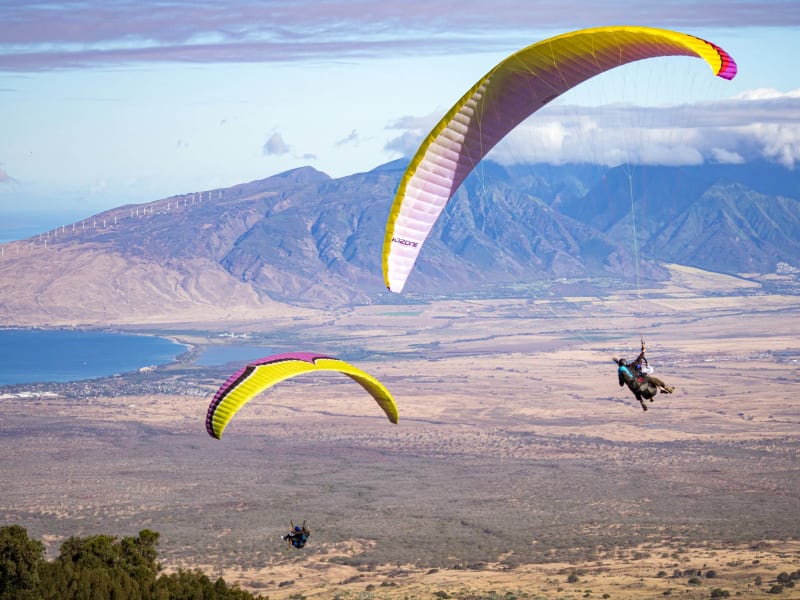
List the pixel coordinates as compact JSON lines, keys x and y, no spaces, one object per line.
{"x":411,"y":243}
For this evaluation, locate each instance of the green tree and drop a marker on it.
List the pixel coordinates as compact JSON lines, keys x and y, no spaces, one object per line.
{"x":186,"y":585}
{"x":98,"y":551}
{"x":104,"y":567}
{"x":195,"y":585}
{"x":139,"y":554}
{"x":100,"y":567}
{"x":20,"y":558}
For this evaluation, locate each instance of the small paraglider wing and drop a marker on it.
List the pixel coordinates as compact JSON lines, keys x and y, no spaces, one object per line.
{"x":256,"y":377}
{"x":513,"y":90}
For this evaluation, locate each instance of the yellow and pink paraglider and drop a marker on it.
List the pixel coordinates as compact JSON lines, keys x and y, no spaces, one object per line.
{"x":257,"y":376}
{"x":508,"y":94}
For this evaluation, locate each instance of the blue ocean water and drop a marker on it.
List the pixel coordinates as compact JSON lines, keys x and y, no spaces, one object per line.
{"x":16,"y":225}
{"x":36,"y":355}
{"x":231,"y":353}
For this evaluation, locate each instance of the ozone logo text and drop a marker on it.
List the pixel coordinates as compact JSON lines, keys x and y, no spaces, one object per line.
{"x":411,"y":243}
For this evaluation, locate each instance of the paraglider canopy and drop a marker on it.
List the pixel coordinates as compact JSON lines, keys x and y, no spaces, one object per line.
{"x":256,"y":377}
{"x":513,"y":90}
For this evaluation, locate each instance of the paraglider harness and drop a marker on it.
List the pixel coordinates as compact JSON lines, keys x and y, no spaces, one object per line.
{"x":637,"y":376}
{"x":298,"y":536}
{"x":646,"y":387}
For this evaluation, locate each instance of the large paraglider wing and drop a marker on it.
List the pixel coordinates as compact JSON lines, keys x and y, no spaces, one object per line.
{"x":256,"y":377}
{"x":512,"y":91}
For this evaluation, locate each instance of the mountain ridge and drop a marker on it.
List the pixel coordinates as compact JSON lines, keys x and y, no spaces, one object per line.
{"x":302,"y":240}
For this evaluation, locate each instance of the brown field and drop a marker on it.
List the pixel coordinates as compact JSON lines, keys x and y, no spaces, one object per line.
{"x":517,"y":461}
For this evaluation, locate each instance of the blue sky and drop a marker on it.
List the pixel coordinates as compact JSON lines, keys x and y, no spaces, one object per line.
{"x":105,"y":103}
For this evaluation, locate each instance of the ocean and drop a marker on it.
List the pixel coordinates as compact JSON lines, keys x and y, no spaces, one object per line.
{"x":39,"y":355}
{"x":231,"y":353}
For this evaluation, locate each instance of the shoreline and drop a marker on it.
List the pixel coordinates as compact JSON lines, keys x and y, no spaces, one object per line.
{"x":185,"y":352}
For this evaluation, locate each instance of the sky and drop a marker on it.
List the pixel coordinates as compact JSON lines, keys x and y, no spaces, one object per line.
{"x":111,"y":102}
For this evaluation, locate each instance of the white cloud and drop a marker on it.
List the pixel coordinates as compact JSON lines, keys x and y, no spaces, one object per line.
{"x":5,"y":177}
{"x":275,"y":145}
{"x":47,"y":35}
{"x":758,"y":124}
{"x":766,"y":94}
{"x":414,"y":129}
{"x":352,"y":138}
{"x":777,"y":142}
{"x":726,"y":156}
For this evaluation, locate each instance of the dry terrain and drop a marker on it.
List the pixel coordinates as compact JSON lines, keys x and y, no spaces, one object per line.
{"x":519,"y":468}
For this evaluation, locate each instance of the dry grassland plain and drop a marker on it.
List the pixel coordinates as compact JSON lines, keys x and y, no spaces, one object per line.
{"x":519,"y":467}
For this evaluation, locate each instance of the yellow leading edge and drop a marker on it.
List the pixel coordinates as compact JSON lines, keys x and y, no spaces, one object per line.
{"x":248,"y":382}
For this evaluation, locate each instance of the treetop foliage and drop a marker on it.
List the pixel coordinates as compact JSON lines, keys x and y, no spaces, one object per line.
{"x":101,"y":567}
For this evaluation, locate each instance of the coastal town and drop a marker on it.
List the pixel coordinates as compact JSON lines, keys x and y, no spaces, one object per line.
{"x":146,"y":381}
